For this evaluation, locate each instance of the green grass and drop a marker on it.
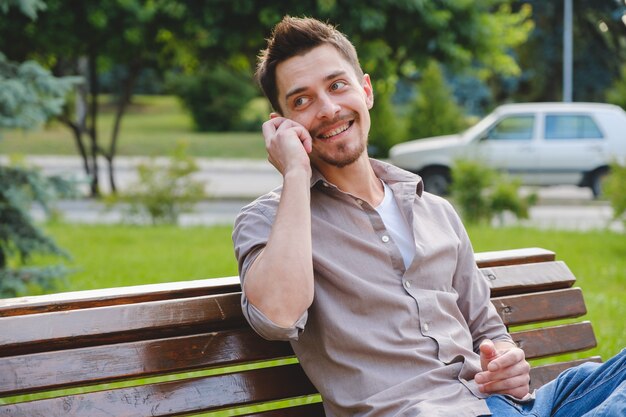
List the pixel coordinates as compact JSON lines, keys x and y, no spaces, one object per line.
{"x":152,"y":127}
{"x":114,"y":256}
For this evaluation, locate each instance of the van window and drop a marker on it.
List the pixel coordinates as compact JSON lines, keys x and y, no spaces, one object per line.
{"x":513,"y":128}
{"x":571,"y":127}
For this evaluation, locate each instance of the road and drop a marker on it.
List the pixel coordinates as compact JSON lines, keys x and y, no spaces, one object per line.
{"x":233,"y":183}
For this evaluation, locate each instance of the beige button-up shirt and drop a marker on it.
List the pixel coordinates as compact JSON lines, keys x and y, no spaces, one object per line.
{"x":379,"y":339}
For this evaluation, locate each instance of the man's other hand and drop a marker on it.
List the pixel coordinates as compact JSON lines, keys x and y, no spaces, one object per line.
{"x":505,"y":370}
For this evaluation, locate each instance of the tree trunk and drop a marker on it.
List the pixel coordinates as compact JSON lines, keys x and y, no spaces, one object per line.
{"x":122,"y":105}
{"x":93,"y":132}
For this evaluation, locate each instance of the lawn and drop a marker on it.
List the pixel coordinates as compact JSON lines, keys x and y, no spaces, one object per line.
{"x":110,"y":256}
{"x":152,"y":127}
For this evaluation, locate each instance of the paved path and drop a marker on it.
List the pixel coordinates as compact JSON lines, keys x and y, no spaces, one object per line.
{"x":233,"y":183}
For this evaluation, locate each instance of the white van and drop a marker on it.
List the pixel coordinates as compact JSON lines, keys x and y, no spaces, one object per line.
{"x":541,"y":143}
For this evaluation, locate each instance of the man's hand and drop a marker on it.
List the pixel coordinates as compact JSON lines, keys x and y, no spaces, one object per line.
{"x":288,"y":144}
{"x":505,"y":370}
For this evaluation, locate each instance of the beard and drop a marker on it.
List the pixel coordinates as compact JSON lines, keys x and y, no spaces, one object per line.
{"x":342,"y":154}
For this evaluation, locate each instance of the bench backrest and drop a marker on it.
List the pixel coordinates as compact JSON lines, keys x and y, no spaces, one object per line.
{"x":185,"y":348}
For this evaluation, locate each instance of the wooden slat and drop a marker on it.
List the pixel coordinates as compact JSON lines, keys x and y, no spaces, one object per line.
{"x":62,"y":369}
{"x":517,"y":279}
{"x":116,"y":324}
{"x":541,"y":375}
{"x":549,"y":341}
{"x":174,"y":398}
{"x":541,"y":306}
{"x":116,"y":296}
{"x":513,"y":257}
{"x":309,"y":410}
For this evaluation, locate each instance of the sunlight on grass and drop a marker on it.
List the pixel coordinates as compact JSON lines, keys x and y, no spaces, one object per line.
{"x":114,"y":256}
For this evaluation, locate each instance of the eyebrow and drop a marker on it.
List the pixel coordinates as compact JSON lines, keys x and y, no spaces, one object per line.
{"x":299,"y":90}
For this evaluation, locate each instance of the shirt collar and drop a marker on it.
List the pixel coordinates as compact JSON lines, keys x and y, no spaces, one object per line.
{"x":390,"y":174}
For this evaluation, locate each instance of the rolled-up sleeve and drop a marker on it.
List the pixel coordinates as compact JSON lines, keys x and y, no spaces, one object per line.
{"x":250,"y":234}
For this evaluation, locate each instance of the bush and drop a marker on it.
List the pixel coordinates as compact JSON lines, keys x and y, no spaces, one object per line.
{"x":386,"y":128}
{"x":434,"y":111}
{"x":20,"y":238}
{"x":164,"y":190}
{"x":614,"y":188}
{"x":482,"y":193}
{"x":215,"y":97}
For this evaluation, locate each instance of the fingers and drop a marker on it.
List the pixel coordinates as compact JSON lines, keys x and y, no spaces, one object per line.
{"x":287,"y":143}
{"x":516,"y":386}
{"x":279,"y":126}
{"x":488,"y":353}
{"x":507,"y":373}
{"x":507,"y":359}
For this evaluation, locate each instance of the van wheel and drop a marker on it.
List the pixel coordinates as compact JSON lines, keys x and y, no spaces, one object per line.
{"x":597,"y":180}
{"x":436,"y":180}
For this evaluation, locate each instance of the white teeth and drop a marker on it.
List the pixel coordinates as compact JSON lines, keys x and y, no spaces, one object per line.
{"x":336,"y":131}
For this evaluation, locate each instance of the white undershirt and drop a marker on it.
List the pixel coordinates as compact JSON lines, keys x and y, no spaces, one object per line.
{"x":397,"y":226}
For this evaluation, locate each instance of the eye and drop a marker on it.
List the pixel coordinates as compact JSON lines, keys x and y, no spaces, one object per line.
{"x":337,"y":85}
{"x":300,"y":101}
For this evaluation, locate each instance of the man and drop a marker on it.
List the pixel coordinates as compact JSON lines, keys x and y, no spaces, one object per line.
{"x":371,"y":279}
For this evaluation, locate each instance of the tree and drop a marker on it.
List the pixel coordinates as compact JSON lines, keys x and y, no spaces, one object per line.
{"x":20,"y":237}
{"x":29,"y":95}
{"x":434,"y":111}
{"x":77,"y":37}
{"x":394,"y":39}
{"x":599,"y":36}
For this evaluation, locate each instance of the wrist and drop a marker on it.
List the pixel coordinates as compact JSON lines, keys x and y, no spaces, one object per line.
{"x":298,"y":173}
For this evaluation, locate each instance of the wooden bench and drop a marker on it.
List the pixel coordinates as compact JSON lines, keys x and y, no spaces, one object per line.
{"x":184,"y":348}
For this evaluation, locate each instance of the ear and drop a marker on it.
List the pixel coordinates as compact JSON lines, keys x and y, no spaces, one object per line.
{"x":274,"y":115}
{"x":369,"y":91}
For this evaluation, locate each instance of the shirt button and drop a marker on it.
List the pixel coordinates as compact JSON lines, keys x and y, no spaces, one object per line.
{"x":359,"y":201}
{"x":385,"y":238}
{"x":426,"y":327}
{"x":326,"y":184}
{"x":407,"y":284}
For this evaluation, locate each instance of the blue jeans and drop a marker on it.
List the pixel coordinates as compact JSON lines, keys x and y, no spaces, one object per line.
{"x":588,"y":390}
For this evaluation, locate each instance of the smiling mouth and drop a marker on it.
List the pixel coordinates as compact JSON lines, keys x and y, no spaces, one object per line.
{"x":336,"y":131}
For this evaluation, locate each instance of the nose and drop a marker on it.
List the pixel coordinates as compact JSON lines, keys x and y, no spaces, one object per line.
{"x":328,"y":108}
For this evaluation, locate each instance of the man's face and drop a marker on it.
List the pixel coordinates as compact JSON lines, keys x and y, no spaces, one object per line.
{"x":321,"y":91}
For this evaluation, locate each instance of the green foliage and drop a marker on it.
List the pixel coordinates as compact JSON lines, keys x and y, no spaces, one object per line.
{"x":214,"y":96}
{"x":616,"y":94}
{"x":482,"y":193}
{"x":386,"y":127}
{"x":20,"y":237}
{"x":30,"y":94}
{"x":164,"y":189}
{"x":598,"y":38}
{"x":28,"y":7}
{"x":614,"y":188}
{"x":434,"y":111}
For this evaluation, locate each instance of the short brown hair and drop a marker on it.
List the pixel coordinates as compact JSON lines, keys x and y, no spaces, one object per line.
{"x":296,"y":36}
